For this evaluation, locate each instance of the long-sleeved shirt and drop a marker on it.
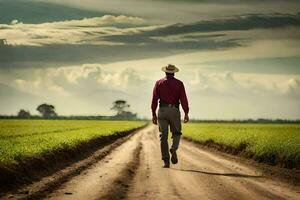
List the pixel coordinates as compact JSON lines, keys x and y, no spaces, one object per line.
{"x":169,"y":90}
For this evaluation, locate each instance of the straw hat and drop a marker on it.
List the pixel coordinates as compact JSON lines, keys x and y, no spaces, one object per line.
{"x":170,"y":69}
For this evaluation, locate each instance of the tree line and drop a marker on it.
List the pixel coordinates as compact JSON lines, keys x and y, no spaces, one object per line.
{"x":121,"y":108}
{"x":47,"y":111}
{"x":249,"y":121}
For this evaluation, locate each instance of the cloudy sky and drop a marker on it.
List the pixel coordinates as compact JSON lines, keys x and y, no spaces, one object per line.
{"x":238,"y":59}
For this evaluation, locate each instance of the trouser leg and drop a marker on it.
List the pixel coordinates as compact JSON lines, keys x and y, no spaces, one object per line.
{"x":176,"y":140}
{"x":175,"y":126}
{"x":164,"y":146}
{"x":163,"y":125}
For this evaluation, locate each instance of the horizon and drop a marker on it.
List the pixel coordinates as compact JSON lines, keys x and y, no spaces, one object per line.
{"x":110,"y":117}
{"x":238,"y":59}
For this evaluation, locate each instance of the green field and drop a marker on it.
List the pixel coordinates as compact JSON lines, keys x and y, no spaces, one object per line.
{"x":272,"y":143}
{"x":30,"y":138}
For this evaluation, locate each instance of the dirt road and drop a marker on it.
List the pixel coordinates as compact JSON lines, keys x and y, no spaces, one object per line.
{"x":133,"y":171}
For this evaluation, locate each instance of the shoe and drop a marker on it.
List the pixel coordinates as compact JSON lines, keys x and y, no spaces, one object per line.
{"x":174,"y":158}
{"x":166,"y":164}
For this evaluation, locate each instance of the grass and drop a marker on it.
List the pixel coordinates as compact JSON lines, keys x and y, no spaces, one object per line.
{"x":20,"y":139}
{"x":270,"y":143}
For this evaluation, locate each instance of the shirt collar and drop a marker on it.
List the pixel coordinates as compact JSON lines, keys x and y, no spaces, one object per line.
{"x":170,"y":77}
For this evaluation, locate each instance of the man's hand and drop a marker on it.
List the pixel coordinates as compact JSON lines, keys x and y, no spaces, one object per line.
{"x":154,"y":119}
{"x":186,"y":118}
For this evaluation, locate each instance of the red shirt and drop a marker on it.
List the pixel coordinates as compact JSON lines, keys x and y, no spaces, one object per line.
{"x":170,"y":91}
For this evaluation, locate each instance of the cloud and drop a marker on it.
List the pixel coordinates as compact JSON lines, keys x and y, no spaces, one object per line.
{"x":158,"y":11}
{"x":240,"y":22}
{"x":106,"y":20}
{"x":14,"y":22}
{"x":91,"y":88}
{"x":74,"y":74}
{"x":66,"y":80}
{"x":70,"y":80}
{"x":40,"y":86}
{"x":123,"y":79}
{"x":130,"y":43}
{"x":290,"y":87}
{"x":29,"y":12}
{"x":233,"y":95}
{"x":13,"y":99}
{"x":237,"y":85}
{"x":84,"y":31}
{"x":115,"y":30}
{"x":114,"y":38}
{"x":195,"y":32}
{"x":87,"y":89}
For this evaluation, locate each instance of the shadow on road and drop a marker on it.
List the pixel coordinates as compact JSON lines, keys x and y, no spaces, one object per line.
{"x":219,"y":174}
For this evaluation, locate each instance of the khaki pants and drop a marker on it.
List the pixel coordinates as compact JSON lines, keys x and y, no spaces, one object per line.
{"x":169,"y":117}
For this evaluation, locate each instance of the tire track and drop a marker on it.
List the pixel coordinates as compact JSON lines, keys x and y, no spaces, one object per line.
{"x":121,"y":185}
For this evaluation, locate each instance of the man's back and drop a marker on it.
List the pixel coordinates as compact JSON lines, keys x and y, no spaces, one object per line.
{"x":169,"y":90}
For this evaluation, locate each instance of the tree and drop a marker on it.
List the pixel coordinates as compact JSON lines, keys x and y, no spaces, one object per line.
{"x":46,"y":110}
{"x":120,"y":106}
{"x":24,"y":114}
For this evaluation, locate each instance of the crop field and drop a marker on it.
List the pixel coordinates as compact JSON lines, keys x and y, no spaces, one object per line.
{"x":271,"y":143}
{"x":29,"y":138}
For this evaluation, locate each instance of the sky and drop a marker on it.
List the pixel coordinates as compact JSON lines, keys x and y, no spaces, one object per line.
{"x":238,"y":59}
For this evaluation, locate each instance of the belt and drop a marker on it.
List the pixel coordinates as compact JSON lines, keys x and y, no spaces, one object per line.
{"x":161,"y":105}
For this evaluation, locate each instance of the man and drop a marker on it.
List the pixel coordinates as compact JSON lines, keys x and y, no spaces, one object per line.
{"x":170,"y":91}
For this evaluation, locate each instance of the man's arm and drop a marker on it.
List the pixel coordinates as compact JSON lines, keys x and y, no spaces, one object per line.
{"x":184,"y":103}
{"x":154,"y":103}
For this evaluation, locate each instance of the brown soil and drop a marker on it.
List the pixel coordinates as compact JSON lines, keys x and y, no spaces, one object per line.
{"x":34,"y":168}
{"x":133,"y":171}
{"x":274,"y":159}
{"x":290,"y":176}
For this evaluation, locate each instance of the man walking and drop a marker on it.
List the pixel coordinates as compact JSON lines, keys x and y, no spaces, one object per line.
{"x":170,"y":92}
